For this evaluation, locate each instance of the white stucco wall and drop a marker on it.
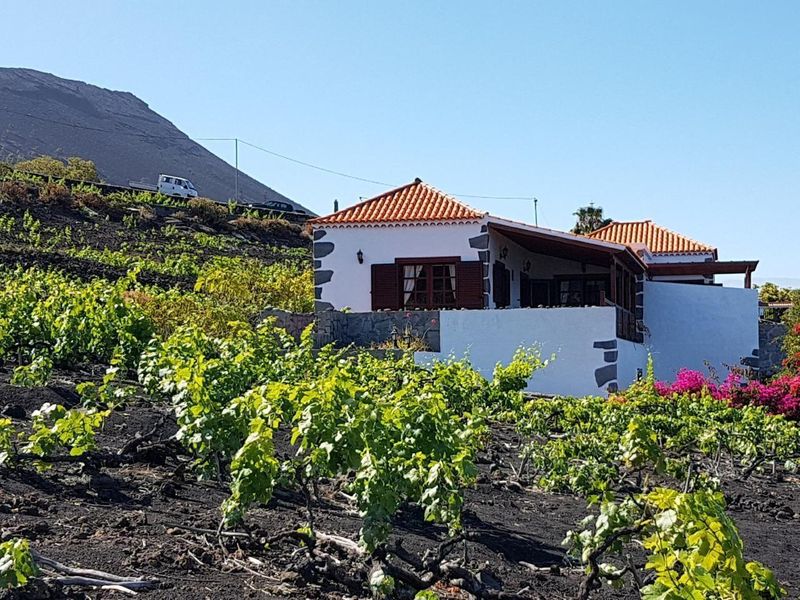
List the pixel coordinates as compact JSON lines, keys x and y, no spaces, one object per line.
{"x":351,"y":282}
{"x":489,"y":336}
{"x":694,"y":325}
{"x":631,"y":358}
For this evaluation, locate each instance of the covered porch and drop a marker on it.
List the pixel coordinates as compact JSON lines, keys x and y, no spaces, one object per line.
{"x":533,"y":267}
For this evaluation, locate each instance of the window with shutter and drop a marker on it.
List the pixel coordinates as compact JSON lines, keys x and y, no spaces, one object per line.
{"x":428,"y":283}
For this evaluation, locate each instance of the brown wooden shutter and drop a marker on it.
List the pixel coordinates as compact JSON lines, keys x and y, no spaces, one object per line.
{"x":385,"y":287}
{"x":469,"y":284}
{"x":524,"y":290}
{"x":497,"y":283}
{"x":501,"y":285}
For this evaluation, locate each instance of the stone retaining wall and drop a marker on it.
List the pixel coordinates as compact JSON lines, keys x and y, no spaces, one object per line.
{"x":293,"y":323}
{"x":770,"y":347}
{"x":372,"y":328}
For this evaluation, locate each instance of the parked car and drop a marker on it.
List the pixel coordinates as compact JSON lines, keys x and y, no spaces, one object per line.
{"x":278,"y":206}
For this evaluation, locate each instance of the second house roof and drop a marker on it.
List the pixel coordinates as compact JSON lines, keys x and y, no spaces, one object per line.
{"x":658,"y":239}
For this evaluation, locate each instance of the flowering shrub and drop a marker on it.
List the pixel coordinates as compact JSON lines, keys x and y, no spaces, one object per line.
{"x":687,"y":382}
{"x":780,"y":396}
{"x":791,"y":345}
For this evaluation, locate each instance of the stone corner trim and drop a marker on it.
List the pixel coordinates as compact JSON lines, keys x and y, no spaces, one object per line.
{"x":606,"y":344}
{"x":322,"y":249}
{"x":481,"y":242}
{"x":605,"y":374}
{"x":321,"y":277}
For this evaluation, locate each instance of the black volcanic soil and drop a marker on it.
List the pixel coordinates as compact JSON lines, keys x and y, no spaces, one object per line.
{"x":160,"y":231}
{"x":136,"y":519}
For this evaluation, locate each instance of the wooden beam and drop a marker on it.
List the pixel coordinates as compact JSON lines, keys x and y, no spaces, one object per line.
{"x":707,"y":269}
{"x":613,"y":287}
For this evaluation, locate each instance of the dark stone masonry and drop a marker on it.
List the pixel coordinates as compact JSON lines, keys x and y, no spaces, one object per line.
{"x":605,"y":374}
{"x":293,"y":323}
{"x":372,"y":328}
{"x":770,"y":351}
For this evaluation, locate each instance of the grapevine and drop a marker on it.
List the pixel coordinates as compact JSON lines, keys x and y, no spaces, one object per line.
{"x":16,"y":563}
{"x":694,"y":548}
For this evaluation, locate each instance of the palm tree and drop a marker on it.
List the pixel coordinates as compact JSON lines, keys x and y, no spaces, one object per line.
{"x":590,"y":218}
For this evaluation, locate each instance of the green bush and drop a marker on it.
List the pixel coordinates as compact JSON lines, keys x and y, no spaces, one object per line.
{"x":173,"y":309}
{"x":74,"y":168}
{"x":257,"y":225}
{"x":247,"y":286}
{"x":207,"y":211}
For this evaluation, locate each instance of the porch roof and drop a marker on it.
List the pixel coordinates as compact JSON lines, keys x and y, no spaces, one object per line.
{"x":566,"y":245}
{"x":708,"y":268}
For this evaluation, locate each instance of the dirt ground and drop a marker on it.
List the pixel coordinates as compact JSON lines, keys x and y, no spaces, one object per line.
{"x":142,"y":519}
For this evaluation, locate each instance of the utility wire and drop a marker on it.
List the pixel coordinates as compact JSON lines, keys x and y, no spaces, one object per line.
{"x":340,"y":174}
{"x":317,"y":167}
{"x":246,"y":143}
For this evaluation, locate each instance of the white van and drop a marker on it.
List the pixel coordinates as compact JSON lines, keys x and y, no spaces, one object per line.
{"x":169,"y":185}
{"x":176,"y":186}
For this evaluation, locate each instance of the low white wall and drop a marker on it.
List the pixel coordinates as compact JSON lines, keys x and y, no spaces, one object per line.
{"x":491,"y":336}
{"x":697,"y":325}
{"x":632,"y":359}
{"x":350,"y":283}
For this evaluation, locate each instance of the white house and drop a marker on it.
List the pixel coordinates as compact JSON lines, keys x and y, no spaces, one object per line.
{"x":601,"y":303}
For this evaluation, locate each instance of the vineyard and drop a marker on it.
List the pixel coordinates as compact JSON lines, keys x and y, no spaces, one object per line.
{"x":157,"y":437}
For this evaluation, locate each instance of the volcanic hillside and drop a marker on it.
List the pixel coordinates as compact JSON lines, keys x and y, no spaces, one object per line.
{"x":44,"y":114}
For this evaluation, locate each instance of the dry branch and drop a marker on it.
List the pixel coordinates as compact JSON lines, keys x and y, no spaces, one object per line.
{"x":90,"y":577}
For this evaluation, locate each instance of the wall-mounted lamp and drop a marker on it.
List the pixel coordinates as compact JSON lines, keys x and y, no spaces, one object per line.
{"x":527,"y":266}
{"x":504,"y":252}
{"x":360,"y":257}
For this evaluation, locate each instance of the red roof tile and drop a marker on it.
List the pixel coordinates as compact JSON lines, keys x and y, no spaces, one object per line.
{"x":659,"y":240}
{"x":414,"y":202}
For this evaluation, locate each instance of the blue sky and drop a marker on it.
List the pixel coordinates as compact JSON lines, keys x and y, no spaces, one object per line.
{"x":684,"y":112}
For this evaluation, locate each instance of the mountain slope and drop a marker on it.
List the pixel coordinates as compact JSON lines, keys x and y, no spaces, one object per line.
{"x":44,"y":114}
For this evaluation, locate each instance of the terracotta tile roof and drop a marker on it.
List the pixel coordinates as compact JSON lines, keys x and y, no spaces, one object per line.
{"x":659,"y":240}
{"x":414,"y":202}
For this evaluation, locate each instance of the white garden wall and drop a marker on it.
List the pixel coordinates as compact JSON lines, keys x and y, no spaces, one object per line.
{"x":632,"y":360}
{"x":350,"y":283}
{"x":583,"y":340}
{"x":694,"y":325}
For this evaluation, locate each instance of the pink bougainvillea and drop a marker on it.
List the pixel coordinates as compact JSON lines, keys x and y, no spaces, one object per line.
{"x":780,"y":396}
{"x":687,"y":382}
